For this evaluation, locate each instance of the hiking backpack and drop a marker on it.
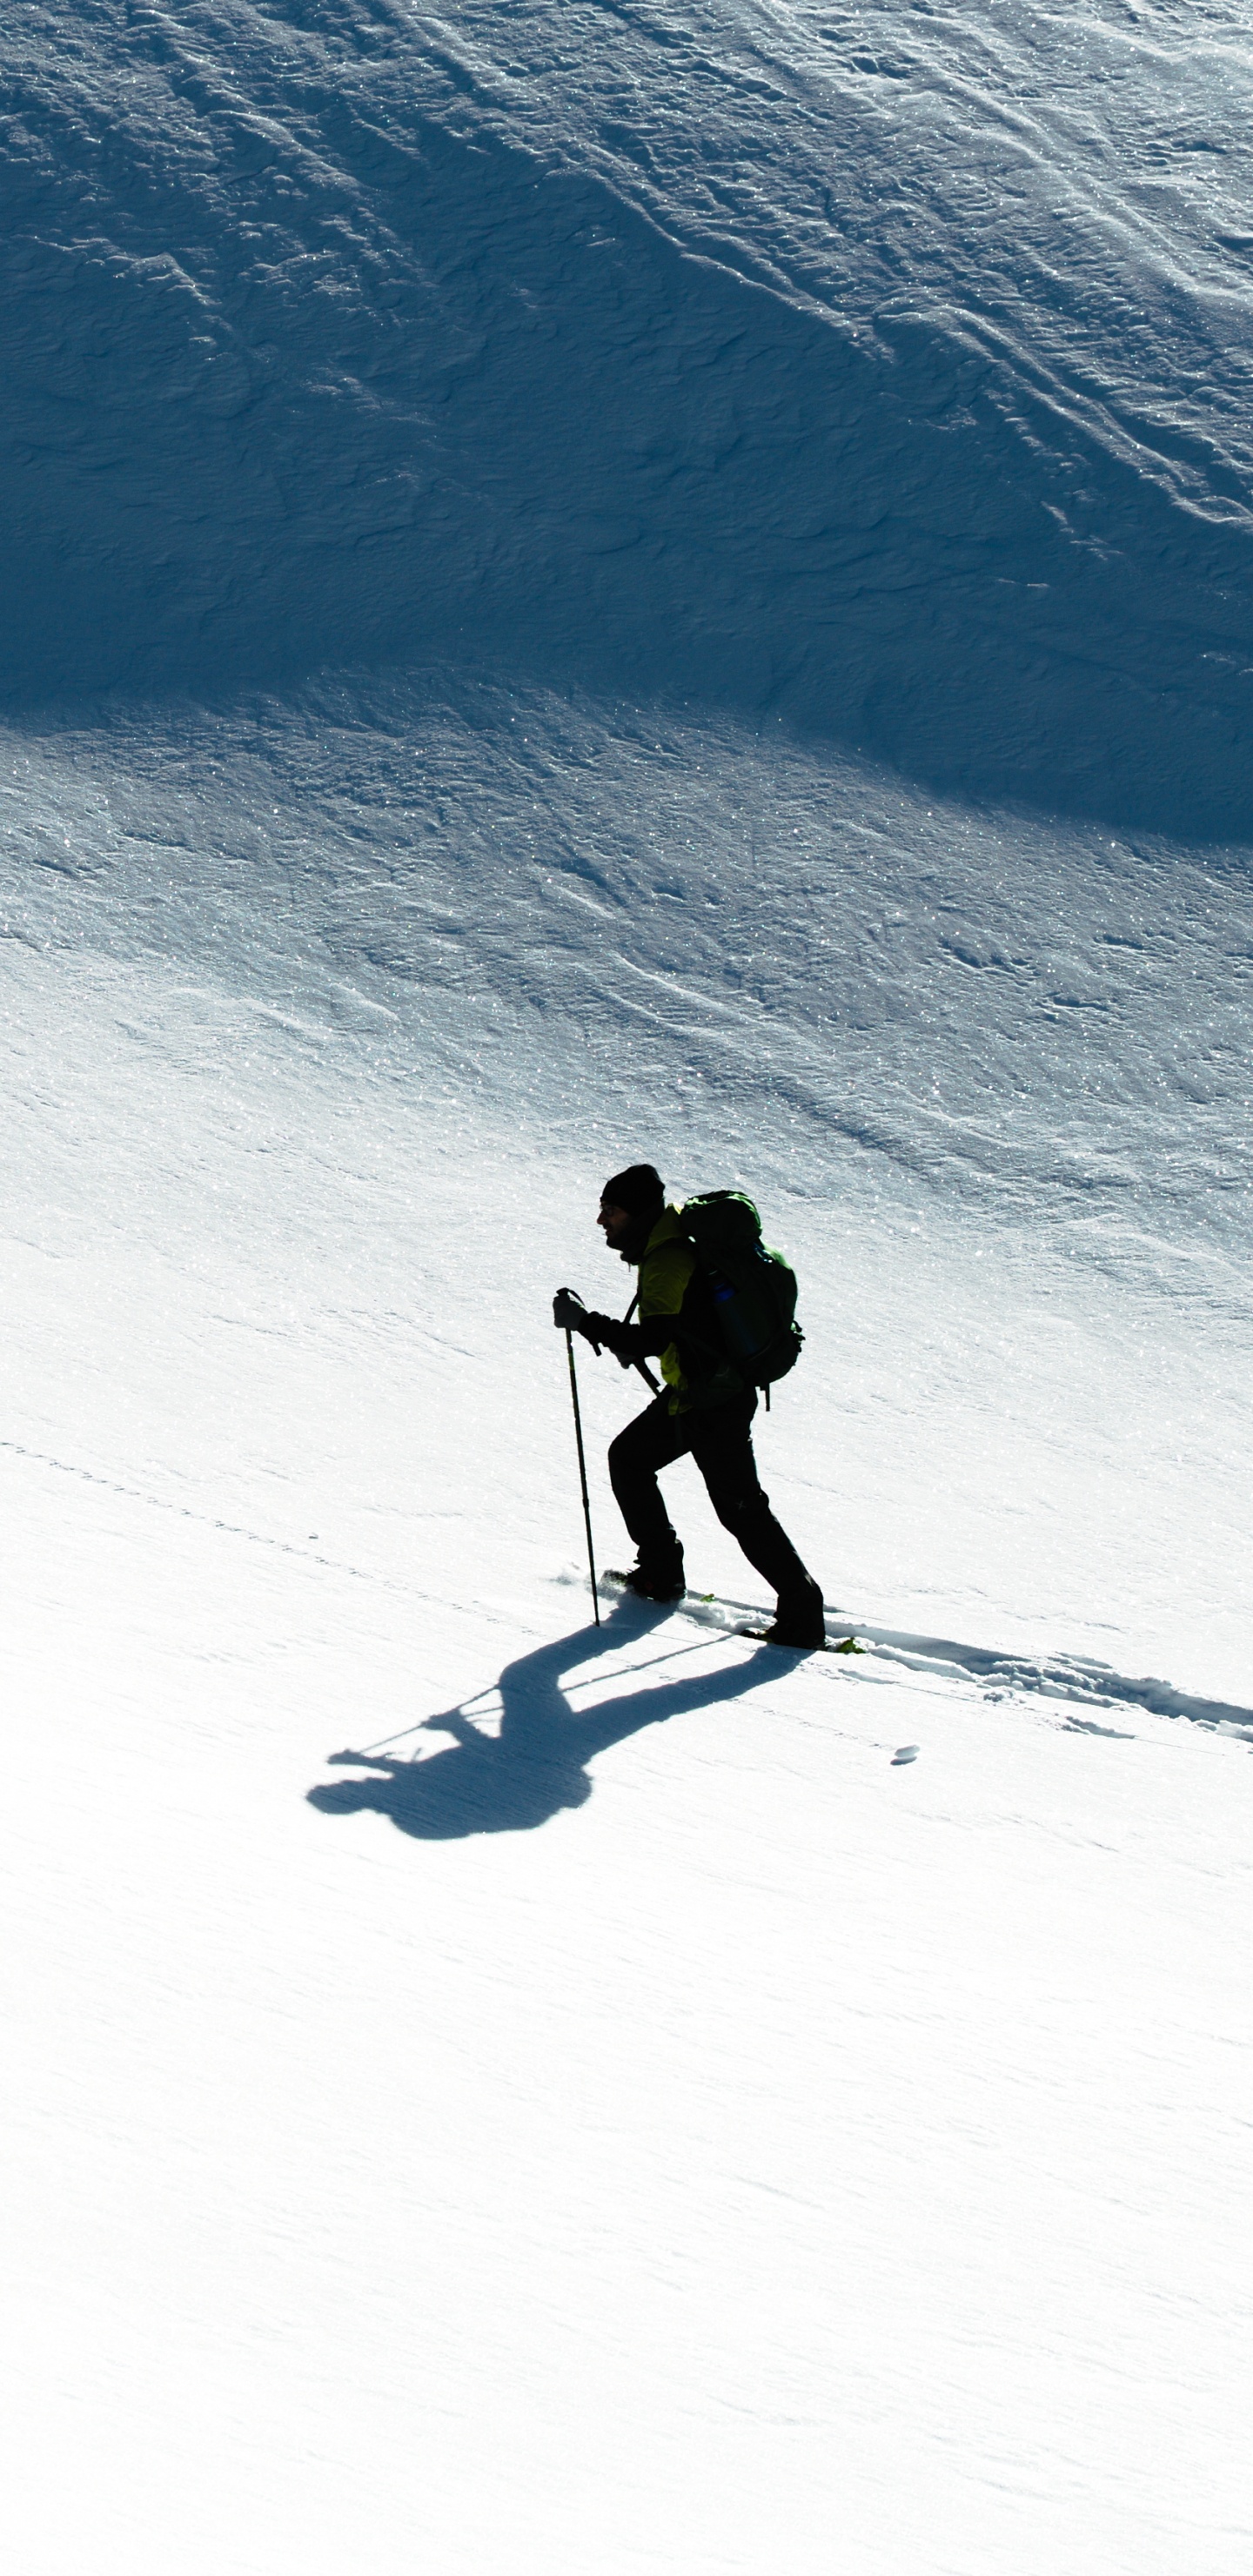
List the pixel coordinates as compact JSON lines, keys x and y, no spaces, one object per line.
{"x":754,"y":1291}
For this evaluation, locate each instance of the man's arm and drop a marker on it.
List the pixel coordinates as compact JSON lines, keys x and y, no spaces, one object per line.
{"x":628,"y":1342}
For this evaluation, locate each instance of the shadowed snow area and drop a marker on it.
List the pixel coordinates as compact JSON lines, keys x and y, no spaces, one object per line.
{"x":887,"y":371}
{"x":586,"y":583}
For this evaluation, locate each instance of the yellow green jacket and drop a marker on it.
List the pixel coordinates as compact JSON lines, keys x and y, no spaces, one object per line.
{"x":667,"y":1267}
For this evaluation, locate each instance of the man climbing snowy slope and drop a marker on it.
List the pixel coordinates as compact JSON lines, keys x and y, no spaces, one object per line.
{"x":677,"y":1325}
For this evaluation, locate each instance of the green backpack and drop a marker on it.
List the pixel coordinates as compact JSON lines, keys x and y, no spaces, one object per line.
{"x":754,"y":1291}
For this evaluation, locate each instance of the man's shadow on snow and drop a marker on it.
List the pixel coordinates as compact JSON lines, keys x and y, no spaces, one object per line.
{"x":517,"y":1779}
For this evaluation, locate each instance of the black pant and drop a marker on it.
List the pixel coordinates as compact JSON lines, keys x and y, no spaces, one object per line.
{"x":720,"y":1440}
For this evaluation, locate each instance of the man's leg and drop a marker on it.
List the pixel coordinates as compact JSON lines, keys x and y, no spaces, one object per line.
{"x":722,"y":1445}
{"x":654,"y":1440}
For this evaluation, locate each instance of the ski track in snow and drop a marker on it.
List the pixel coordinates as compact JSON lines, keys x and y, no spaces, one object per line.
{"x":1063,"y":1677}
{"x":583,"y":582}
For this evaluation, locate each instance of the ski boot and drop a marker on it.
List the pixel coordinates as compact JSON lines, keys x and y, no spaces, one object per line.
{"x":657,"y":1578}
{"x":799,"y":1618}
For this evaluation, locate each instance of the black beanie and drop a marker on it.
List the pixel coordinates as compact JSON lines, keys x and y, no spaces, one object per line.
{"x":637,"y":1190}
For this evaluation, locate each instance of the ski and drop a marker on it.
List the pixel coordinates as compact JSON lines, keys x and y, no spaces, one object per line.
{"x":693,"y":1603}
{"x":829,"y":1646}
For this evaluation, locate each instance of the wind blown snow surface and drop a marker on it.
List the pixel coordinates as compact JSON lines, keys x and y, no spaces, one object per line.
{"x":590,"y":582}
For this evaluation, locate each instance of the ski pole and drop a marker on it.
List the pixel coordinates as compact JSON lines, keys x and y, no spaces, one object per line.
{"x":642,"y":1365}
{"x":587,"y":1508}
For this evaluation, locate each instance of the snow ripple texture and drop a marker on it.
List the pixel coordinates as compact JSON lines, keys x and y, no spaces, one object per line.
{"x":887,"y":368}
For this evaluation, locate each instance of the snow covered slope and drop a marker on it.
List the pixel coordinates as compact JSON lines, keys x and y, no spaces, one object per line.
{"x":889,"y":369}
{"x":525,"y":2097}
{"x":585,"y":582}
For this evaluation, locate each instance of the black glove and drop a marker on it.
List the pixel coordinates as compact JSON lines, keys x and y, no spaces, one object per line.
{"x":570,"y":1315}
